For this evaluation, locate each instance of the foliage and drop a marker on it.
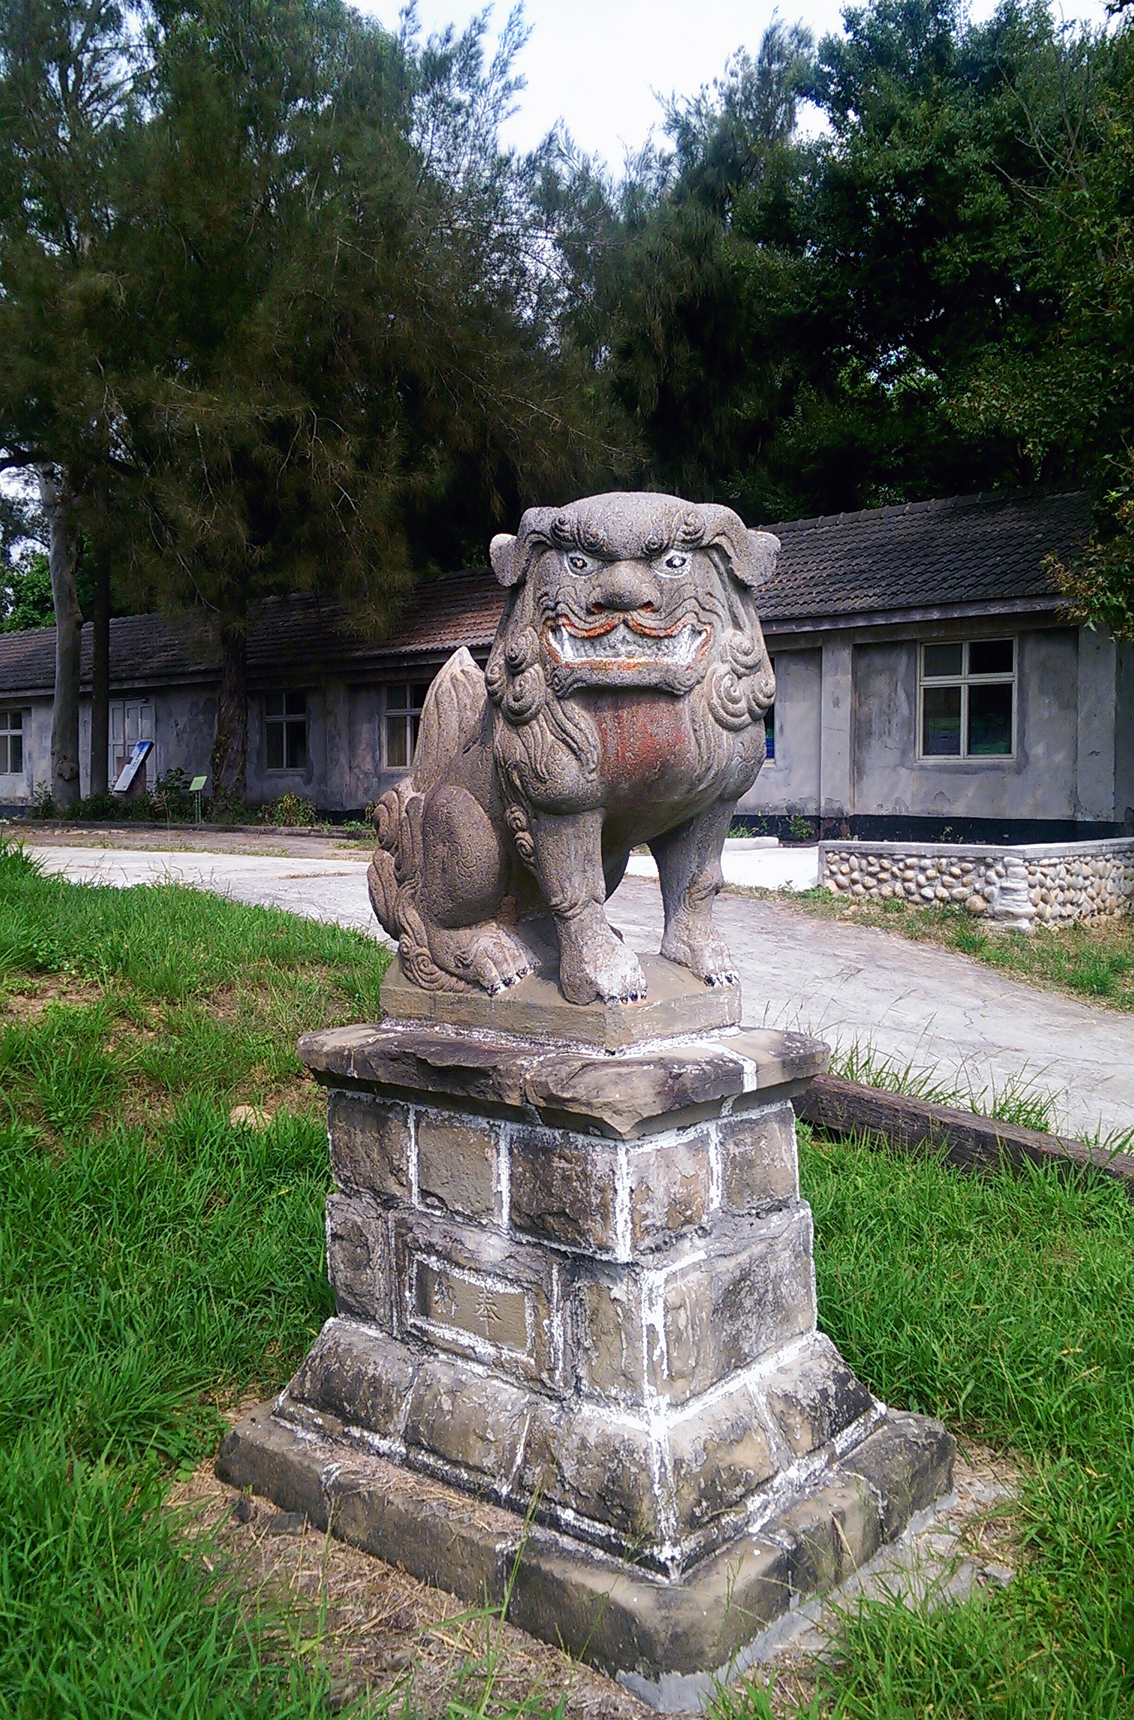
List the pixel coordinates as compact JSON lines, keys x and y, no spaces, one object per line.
{"x":886,"y":313}
{"x":289,"y":809}
{"x":266,"y":301}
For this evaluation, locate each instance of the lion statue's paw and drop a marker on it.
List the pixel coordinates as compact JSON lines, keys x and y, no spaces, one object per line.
{"x":707,"y":957}
{"x":607,"y":970}
{"x":486,"y":956}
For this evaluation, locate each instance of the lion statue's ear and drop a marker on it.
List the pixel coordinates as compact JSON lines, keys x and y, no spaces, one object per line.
{"x":506,"y":564}
{"x":751,"y":555}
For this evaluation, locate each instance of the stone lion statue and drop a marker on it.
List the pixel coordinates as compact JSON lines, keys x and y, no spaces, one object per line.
{"x":623,"y":703}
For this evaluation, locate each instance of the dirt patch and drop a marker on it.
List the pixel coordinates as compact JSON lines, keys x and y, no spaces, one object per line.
{"x":26,"y":998}
{"x":382,"y":1629}
{"x":184,"y":839}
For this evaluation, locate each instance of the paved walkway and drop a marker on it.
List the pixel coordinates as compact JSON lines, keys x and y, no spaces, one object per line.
{"x":972,"y":1028}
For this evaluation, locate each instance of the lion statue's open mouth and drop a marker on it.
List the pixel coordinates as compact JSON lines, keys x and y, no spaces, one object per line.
{"x":622,"y":641}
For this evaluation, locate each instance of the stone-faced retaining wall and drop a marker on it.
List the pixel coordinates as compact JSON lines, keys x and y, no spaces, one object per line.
{"x":1017,"y":886}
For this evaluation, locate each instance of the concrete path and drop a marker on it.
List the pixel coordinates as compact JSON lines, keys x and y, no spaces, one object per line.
{"x":972,"y":1028}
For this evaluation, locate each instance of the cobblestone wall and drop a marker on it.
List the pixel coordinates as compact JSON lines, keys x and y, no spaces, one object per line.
{"x":1048,"y":883}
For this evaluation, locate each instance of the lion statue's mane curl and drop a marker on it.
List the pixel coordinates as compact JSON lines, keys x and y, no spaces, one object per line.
{"x":623,"y":702}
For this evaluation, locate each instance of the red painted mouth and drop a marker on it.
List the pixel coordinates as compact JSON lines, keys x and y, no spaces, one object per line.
{"x":619,"y":641}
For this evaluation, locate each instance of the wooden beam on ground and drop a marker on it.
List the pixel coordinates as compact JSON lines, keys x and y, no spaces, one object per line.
{"x":962,"y":1138}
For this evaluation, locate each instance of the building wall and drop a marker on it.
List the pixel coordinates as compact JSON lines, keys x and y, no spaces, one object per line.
{"x":1039,"y":783}
{"x":1123,"y":735}
{"x":790,"y":782}
{"x":846,"y":728}
{"x":847,"y":734}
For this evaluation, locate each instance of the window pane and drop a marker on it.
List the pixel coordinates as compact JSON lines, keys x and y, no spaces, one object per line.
{"x":396,"y":698}
{"x":296,"y":746}
{"x":415,"y":730}
{"x":990,"y":719}
{"x":419,"y":690}
{"x":273,"y":705}
{"x":942,"y":660}
{"x":16,"y":762}
{"x":770,"y":732}
{"x":273,"y":735}
{"x":941,"y":722}
{"x":990,"y":657}
{"x":396,"y":756}
{"x":295,"y":704}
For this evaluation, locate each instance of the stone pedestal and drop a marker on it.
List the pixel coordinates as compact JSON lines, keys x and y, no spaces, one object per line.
{"x":575,"y":1345}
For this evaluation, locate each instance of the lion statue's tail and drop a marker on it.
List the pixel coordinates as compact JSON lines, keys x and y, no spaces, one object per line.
{"x":451,"y":718}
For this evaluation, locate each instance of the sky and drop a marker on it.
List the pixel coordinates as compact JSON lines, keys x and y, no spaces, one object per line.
{"x":597,"y":63}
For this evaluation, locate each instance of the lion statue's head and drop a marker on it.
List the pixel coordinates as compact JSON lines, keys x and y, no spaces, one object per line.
{"x":630,"y":590}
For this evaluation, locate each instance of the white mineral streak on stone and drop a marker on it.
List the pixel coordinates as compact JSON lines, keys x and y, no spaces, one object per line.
{"x":787,"y":1355}
{"x":778,"y":1492}
{"x":557,"y":1337}
{"x":509,"y":1486}
{"x":623,"y":1247}
{"x":716,"y":1164}
{"x":411,"y":1154}
{"x":503,"y":1175}
{"x":750,"y":1071}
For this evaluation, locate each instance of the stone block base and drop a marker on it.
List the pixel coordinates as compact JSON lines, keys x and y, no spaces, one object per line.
{"x":575,"y":1359}
{"x":667,"y":1639}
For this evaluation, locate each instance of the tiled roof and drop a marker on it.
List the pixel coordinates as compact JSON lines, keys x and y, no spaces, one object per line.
{"x":288,"y":634}
{"x":968,"y":549}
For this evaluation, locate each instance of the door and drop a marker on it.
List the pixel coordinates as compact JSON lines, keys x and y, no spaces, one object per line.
{"x":131,"y":720}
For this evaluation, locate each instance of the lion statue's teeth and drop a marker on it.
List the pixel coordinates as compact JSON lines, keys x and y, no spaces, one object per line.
{"x":623,"y":644}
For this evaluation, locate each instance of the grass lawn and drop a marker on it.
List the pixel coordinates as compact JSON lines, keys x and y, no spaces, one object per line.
{"x":1095,"y":961}
{"x":157,"y":1263}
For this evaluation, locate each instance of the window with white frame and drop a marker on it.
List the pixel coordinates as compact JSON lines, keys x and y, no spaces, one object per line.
{"x":11,"y":743}
{"x":967,"y":702}
{"x":285,"y":731}
{"x":404,"y":701}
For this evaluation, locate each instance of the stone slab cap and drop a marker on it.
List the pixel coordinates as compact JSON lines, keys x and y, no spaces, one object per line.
{"x":677,"y":1003}
{"x":621,"y":1094}
{"x":668,"y":1640}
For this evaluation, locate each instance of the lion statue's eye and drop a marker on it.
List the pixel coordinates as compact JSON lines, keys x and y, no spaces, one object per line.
{"x":579,"y":563}
{"x":674,"y":562}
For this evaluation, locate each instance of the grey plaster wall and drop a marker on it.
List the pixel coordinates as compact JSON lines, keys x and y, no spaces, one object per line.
{"x":790,"y":783}
{"x":1124,"y":736}
{"x":1040,"y":782}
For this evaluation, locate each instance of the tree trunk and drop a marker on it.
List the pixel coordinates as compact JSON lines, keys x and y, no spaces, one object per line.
{"x":62,"y":556}
{"x":230,"y":749}
{"x":100,"y":676}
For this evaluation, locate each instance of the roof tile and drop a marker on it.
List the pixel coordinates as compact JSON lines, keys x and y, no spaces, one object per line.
{"x":963,"y":549}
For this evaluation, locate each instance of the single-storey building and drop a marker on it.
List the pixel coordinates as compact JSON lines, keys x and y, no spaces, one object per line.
{"x":927,"y":681}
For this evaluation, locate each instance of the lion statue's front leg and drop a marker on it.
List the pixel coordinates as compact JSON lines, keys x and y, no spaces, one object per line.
{"x":593,"y":960}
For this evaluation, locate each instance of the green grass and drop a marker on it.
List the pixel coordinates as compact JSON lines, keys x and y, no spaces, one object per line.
{"x":156,"y":1263}
{"x":1089,"y":961}
{"x":1001,"y":1304}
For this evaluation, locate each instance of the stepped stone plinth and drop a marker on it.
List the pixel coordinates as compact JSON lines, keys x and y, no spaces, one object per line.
{"x":575,"y":1345}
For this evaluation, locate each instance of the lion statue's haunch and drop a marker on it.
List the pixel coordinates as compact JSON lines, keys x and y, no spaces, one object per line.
{"x":623,"y":702}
